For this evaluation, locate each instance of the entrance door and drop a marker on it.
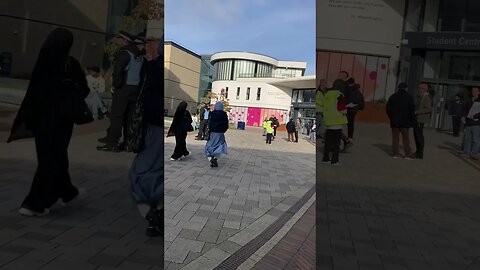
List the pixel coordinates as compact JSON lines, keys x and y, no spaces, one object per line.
{"x":444,"y":93}
{"x":253,"y":117}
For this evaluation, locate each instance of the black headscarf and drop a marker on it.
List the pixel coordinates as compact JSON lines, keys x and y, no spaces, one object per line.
{"x":45,"y":81}
{"x":179,"y":119}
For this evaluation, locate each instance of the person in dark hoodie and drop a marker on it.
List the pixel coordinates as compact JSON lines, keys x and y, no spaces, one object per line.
{"x":128,"y":76}
{"x":45,"y":114}
{"x":355,"y":99}
{"x":217,"y":125}
{"x":146,"y":173}
{"x":181,"y":125}
{"x":401,"y":111}
{"x":291,"y":130}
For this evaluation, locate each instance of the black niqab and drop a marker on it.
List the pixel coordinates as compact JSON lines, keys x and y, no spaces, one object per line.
{"x":45,"y":80}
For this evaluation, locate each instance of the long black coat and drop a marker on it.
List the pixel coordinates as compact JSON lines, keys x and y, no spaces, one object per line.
{"x":401,"y":110}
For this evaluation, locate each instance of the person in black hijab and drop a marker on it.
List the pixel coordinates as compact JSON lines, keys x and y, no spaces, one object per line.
{"x":146,"y":173}
{"x":182,"y":123}
{"x":45,"y":114}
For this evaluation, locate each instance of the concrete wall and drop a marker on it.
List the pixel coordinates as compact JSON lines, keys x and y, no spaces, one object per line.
{"x":182,"y":78}
{"x":24,"y":38}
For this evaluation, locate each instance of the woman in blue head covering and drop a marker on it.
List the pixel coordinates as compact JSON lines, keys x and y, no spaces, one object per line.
{"x":218,"y":125}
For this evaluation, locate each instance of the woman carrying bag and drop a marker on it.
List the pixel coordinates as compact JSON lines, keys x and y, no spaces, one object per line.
{"x":181,"y":125}
{"x":53,"y":103}
{"x":216,"y":144}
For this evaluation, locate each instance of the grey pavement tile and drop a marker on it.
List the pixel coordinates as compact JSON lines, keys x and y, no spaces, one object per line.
{"x":7,"y":257}
{"x":106,"y":260}
{"x":9,"y":248}
{"x":70,"y":265}
{"x":27,"y":264}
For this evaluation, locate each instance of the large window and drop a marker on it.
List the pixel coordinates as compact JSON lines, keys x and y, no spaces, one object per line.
{"x":248,"y":94}
{"x":223,"y":70}
{"x":244,"y":69}
{"x":459,"y":16}
{"x":259,"y":93}
{"x":303,"y":95}
{"x":464,"y":68}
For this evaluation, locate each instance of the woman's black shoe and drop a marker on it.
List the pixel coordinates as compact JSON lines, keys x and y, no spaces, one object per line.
{"x":213,"y":162}
{"x":155,"y":223}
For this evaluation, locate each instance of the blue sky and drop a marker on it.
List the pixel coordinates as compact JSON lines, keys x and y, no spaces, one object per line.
{"x":283,"y":29}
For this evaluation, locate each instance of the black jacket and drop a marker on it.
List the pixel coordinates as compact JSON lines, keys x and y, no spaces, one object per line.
{"x":354,"y":95}
{"x":120,"y":63}
{"x":476,"y":118}
{"x":401,"y":110}
{"x":291,"y":127}
{"x":456,"y":108}
{"x":218,"y":122}
{"x":153,"y":110}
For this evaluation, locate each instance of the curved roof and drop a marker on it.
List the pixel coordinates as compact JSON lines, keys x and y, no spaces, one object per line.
{"x":244,"y":56}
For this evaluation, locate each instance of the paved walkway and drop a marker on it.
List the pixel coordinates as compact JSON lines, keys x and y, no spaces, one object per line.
{"x":216,"y":215}
{"x":101,"y":230}
{"x":376,"y":212}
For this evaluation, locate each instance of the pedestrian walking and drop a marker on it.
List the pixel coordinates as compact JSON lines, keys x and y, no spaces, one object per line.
{"x":218,"y":125}
{"x":335,"y":118}
{"x":181,"y":125}
{"x":471,"y":142}
{"x":401,"y":111}
{"x":313,"y":131}
{"x":423,"y":114}
{"x":290,"y":130}
{"x":55,"y":97}
{"x":146,"y":174}
{"x":128,"y":76}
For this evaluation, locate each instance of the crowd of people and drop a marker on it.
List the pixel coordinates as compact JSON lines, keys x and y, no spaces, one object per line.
{"x":337,"y":107}
{"x":213,"y":126}
{"x":60,"y":95}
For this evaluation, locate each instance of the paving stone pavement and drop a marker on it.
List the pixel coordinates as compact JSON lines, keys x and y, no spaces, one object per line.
{"x":211,"y":212}
{"x":100,"y":230}
{"x":376,"y":212}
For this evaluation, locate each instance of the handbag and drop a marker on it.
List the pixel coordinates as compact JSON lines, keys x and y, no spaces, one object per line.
{"x":136,"y":128}
{"x":77,"y":108}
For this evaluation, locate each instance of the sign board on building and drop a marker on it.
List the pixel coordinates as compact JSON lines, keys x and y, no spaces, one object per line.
{"x":443,"y":41}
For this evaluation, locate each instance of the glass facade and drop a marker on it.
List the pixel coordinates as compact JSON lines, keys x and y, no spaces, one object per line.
{"x":226,"y":70}
{"x":303,"y":96}
{"x":464,"y":68}
{"x":459,"y":16}
{"x":205,"y":77}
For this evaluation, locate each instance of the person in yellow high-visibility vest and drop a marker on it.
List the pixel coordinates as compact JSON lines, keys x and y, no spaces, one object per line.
{"x":320,"y":100}
{"x":334,"y":117}
{"x":269,"y":129}
{"x":264,"y":125}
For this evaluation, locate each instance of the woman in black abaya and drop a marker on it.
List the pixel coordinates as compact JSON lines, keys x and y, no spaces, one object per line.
{"x":182,"y":123}
{"x":44,"y":116}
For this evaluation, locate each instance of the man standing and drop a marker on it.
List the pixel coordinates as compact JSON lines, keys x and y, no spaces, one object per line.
{"x":128,"y":76}
{"x":290,"y":130}
{"x":298,"y":127}
{"x":472,"y":126}
{"x":334,"y":119}
{"x":320,"y":97}
{"x":275,"y":126}
{"x":401,"y":111}
{"x":457,"y":111}
{"x":355,"y":102}
{"x":269,"y":128}
{"x":423,"y":113}
{"x":203,"y":121}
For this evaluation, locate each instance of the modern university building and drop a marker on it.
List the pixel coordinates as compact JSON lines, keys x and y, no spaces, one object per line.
{"x":381,"y":43}
{"x":259,"y":86}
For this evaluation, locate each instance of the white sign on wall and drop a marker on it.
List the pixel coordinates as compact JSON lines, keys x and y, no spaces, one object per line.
{"x":377,"y":21}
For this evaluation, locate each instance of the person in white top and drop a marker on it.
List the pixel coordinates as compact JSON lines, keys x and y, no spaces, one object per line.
{"x":96,"y":83}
